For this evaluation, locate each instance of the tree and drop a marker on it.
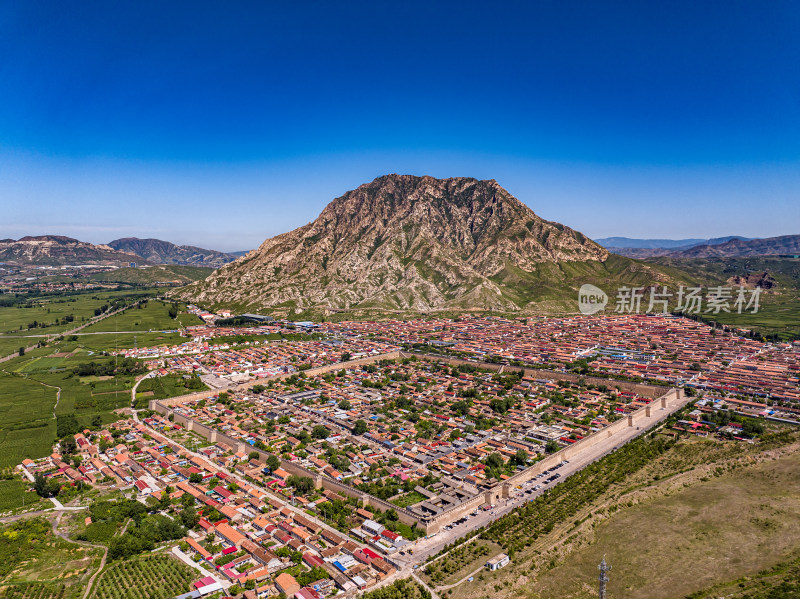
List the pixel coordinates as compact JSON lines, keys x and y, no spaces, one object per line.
{"x":752,"y":428}
{"x":303,"y":485}
{"x":21,"y":351}
{"x":253,"y":455}
{"x":67,"y":424}
{"x":551,"y":447}
{"x":45,"y":487}
{"x":273,"y":463}
{"x":320,"y":432}
{"x":173,"y":311}
{"x":360,"y":427}
{"x":68,"y":445}
{"x":195,"y":478}
{"x":189,"y":517}
{"x":344,"y":405}
{"x":495,"y":460}
{"x":97,"y":422}
{"x":521,"y":457}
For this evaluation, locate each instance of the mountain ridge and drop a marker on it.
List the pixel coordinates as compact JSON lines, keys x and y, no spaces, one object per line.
{"x":59,"y":250}
{"x":157,"y":251}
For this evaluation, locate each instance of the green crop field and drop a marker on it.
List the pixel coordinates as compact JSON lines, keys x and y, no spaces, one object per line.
{"x":27,"y":427}
{"x":154,"y":316}
{"x":12,"y":492}
{"x":149,"y":577}
{"x":47,"y":309}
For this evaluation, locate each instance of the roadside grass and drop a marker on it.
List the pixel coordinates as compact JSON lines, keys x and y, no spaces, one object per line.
{"x":732,"y":525}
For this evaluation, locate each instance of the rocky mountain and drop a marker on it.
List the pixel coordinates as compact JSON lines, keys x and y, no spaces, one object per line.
{"x":770,"y":246}
{"x":417,"y":243}
{"x":57,"y":250}
{"x":157,"y":251}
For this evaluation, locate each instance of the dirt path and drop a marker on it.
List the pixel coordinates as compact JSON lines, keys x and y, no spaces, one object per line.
{"x":90,"y":582}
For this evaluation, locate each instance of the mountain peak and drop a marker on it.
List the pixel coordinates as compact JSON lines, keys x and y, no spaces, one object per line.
{"x":402,"y":242}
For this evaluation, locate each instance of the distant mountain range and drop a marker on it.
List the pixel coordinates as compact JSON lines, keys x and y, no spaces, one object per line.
{"x":648,"y":248}
{"x":157,"y":251}
{"x":57,"y":250}
{"x":732,"y":246}
{"x":407,"y":243}
{"x":629,"y":242}
{"x":786,"y":245}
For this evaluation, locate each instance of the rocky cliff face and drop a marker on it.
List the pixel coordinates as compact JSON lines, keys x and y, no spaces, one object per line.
{"x":401,"y":242}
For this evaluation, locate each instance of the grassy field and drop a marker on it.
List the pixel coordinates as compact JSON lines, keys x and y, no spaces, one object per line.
{"x":778,"y":311}
{"x":149,"y":275}
{"x":407,"y":499}
{"x":149,"y":577}
{"x":735,"y":524}
{"x":779,"y":582}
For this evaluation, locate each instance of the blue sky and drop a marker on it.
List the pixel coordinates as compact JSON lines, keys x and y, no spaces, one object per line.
{"x":221,"y":124}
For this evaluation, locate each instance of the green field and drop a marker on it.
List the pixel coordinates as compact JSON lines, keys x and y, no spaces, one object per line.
{"x":779,"y":310}
{"x":27,"y":428}
{"x":47,"y":309}
{"x":153,"y":316}
{"x":12,"y":492}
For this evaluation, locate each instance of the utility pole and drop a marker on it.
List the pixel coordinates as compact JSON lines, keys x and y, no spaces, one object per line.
{"x":604,"y":568}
